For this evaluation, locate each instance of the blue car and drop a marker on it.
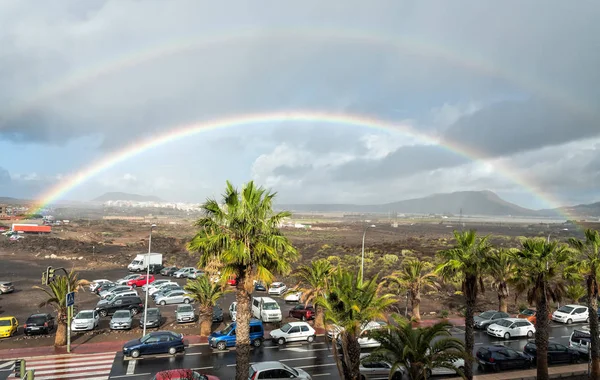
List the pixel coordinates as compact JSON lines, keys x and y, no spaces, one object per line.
{"x":226,"y":337}
{"x":157,"y":342}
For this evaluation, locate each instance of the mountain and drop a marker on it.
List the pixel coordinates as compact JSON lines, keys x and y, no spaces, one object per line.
{"x":470,"y":202}
{"x":116,"y":196}
{"x":582,"y":210}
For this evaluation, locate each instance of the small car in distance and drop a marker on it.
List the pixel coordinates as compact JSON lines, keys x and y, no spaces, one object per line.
{"x":6,"y":287}
{"x":183,"y":272}
{"x":168,"y":271}
{"x":233,"y":311}
{"x":185,"y":313}
{"x":530,"y":315}
{"x":156,"y":342}
{"x":182,"y":374}
{"x":302,"y":312}
{"x":293,"y":297}
{"x":38,"y":324}
{"x":141,"y":281}
{"x":557,"y":353}
{"x":195,"y":274}
{"x":276,"y":370}
{"x":117,"y":289}
{"x":121,"y":320}
{"x":174,"y":297}
{"x":96,"y":284}
{"x":277,"y":288}
{"x":293,"y":332}
{"x":8,"y":326}
{"x":483,"y":320}
{"x":85,"y":320}
{"x":500,"y":357}
{"x":571,"y":313}
{"x":217,"y":315}
{"x":259,"y":286}
{"x":124,"y":280}
{"x":510,"y":327}
{"x":154,"y":284}
{"x":153,"y":317}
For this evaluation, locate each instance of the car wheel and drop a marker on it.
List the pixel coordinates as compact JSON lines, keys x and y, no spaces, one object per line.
{"x":397,"y":376}
{"x":134,"y":311}
{"x":221,"y":346}
{"x":135,"y":354}
{"x":569,"y":321}
{"x":257,"y":343}
{"x":304,"y":318}
{"x":172,"y":350}
{"x":507,"y":336}
{"x":186,"y":300}
{"x":587,"y":320}
{"x":311,"y":339}
{"x":280,"y":341}
{"x":529,"y":334}
{"x":162,"y":303}
{"x":103,"y":313}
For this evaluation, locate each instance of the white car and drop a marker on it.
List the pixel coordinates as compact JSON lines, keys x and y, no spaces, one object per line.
{"x":115,"y":290}
{"x":160,"y":287}
{"x":292,"y":332}
{"x":233,"y":311}
{"x":155,"y":284}
{"x":293,"y":297}
{"x":277,"y":288}
{"x":438,"y":371}
{"x":183,"y":272}
{"x":85,"y":320}
{"x":364,"y":340}
{"x":571,"y":313}
{"x":96,"y":283}
{"x":510,"y":327}
{"x":125,"y":280}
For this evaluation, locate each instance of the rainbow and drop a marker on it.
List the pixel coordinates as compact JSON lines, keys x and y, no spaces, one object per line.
{"x":412,"y":44}
{"x":258,"y":119}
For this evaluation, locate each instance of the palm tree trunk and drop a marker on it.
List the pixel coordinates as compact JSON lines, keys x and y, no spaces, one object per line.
{"x":592,"y":291}
{"x":319,"y":318}
{"x":61,"y":333}
{"x":354,"y":358}
{"x":416,"y":306}
{"x":541,"y":332}
{"x":242,"y":330}
{"x":205,"y":321}
{"x":503,"y":297}
{"x":470,"y":300}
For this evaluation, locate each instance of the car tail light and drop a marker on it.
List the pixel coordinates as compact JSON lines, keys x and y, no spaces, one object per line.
{"x":254,"y":376}
{"x":25,"y":326}
{"x":45,"y":324}
{"x":491,"y":359}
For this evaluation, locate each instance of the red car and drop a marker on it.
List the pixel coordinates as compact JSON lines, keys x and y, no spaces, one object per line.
{"x":140,"y":281}
{"x":303,"y":312}
{"x":182,"y":374}
{"x":232,"y":281}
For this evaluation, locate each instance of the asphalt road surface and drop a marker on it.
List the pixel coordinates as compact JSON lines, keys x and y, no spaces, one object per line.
{"x":315,"y":358}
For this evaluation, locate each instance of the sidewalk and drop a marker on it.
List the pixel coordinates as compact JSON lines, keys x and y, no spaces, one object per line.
{"x":567,"y":371}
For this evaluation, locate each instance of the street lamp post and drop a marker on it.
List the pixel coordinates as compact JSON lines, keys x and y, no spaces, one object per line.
{"x":362,"y":260}
{"x":147,"y":278}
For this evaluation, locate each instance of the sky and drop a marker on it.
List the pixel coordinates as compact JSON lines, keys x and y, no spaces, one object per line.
{"x":516,"y":84}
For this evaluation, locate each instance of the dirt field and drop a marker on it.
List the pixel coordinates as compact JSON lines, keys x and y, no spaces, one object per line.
{"x":102,"y":249}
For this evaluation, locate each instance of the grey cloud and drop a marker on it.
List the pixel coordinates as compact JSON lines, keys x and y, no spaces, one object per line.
{"x":292,"y":171}
{"x":5,"y":178}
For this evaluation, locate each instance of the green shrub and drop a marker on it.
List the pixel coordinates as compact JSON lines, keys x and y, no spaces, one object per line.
{"x":444,"y":313}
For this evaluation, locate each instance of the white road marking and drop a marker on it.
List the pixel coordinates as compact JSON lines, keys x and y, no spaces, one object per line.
{"x":321,"y":374}
{"x":7,"y":364}
{"x":566,"y":336}
{"x":135,"y":374}
{"x":131,"y":367}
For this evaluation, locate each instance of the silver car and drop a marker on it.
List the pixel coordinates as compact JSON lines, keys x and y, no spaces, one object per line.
{"x":6,"y":287}
{"x":121,"y":320}
{"x":174,"y":297}
{"x":276,"y":370}
{"x":185,"y":313}
{"x":117,"y":289}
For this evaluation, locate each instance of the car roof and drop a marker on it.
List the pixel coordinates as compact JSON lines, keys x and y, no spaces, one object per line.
{"x":261,"y":366}
{"x":8,"y":317}
{"x":572,"y":305}
{"x":516,"y":320}
{"x":277,"y":283}
{"x":298,"y":324}
{"x":496,"y":347}
{"x":39,"y":315}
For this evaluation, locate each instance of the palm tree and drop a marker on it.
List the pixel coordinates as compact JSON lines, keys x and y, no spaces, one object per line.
{"x":575,"y":292}
{"x":314,"y":280}
{"x":465,"y":263}
{"x":57,"y":293}
{"x":242,"y":234}
{"x":588,"y":264}
{"x":416,"y":276}
{"x":500,"y":267}
{"x":349,"y":304}
{"x":538,"y":273}
{"x":206,"y":293}
{"x":418,"y":350}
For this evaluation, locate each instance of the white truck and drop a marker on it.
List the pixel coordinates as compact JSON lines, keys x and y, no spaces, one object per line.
{"x":141,"y":261}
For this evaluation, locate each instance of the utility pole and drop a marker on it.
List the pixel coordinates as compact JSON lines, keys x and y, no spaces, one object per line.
{"x":147,"y":279}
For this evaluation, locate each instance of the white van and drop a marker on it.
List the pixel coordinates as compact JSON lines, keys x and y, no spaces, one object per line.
{"x":571,"y":313}
{"x":266,"y":309}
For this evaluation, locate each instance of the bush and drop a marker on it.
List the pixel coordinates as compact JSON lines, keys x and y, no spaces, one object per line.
{"x":444,"y":313}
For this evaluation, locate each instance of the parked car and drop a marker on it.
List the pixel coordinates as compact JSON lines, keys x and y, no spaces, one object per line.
{"x":226,"y":337}
{"x":185,"y":313}
{"x":174,"y":297}
{"x":232,"y":280}
{"x":557,"y":353}
{"x":182,"y":374}
{"x":96,"y":284}
{"x":483,"y":320}
{"x":121,"y":320}
{"x":8,"y":326}
{"x":125,"y":280}
{"x":85,"y":320}
{"x":510,"y":327}
{"x":141,"y":281}
{"x":293,"y":332}
{"x":276,"y":370}
{"x":293,"y":297}
{"x":195,"y":274}
{"x":580,"y":340}
{"x":183,"y":272}
{"x":156,"y":342}
{"x":500,"y":357}
{"x":379,"y":370}
{"x":302,"y":312}
{"x":154,"y":318}
{"x":364,"y":339}
{"x":39,"y":324}
{"x":530,"y":315}
{"x":133,"y":303}
{"x":113,"y":297}
{"x":458,"y":364}
{"x":104,"y":287}
{"x":571,"y":313}
{"x":277,"y":288}
{"x":233,"y":311}
{"x":155,"y":268}
{"x":155,"y":283}
{"x":164,"y":288}
{"x":259,"y":286}
{"x":116,"y":289}
{"x":217,"y":315}
{"x":6,"y":287}
{"x":168,"y":271}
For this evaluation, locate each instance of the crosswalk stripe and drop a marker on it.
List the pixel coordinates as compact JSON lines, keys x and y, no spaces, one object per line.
{"x":72,"y":367}
{"x":67,"y":361}
{"x":72,"y":376}
{"x":7,"y":364}
{"x":61,"y":356}
{"x":67,"y":365}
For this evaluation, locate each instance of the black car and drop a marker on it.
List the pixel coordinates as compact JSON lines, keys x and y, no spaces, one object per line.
{"x":500,"y":357}
{"x":105,"y":286}
{"x":168,"y":271}
{"x":132,"y":303}
{"x":217,"y":315}
{"x":155,"y":268}
{"x":39,"y":324}
{"x":157,"y":342}
{"x":557,"y":353}
{"x":154,"y":318}
{"x":260,"y":287}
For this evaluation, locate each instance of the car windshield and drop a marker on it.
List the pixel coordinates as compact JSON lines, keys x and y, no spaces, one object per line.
{"x":4,"y":322}
{"x":486,"y":314}
{"x":565,"y":309}
{"x":111,"y":297}
{"x":528,"y":312}
{"x":185,"y":308}
{"x":85,"y":315}
{"x":285,"y":328}
{"x":227,"y":329}
{"x":152,"y":312}
{"x":36,"y":320}
{"x":270,"y":306}
{"x":504,"y":323}
{"x":145,"y":338}
{"x":292,"y":370}
{"x":122,"y":314}
{"x":276,"y":285}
